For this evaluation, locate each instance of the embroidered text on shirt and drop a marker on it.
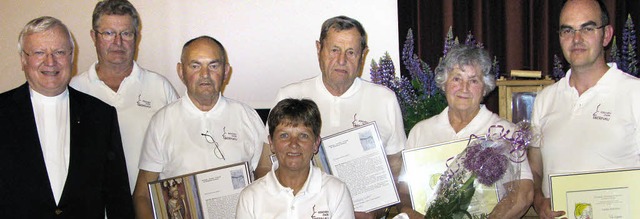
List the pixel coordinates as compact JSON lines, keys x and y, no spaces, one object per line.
{"x":601,"y":115}
{"x":229,"y":135}
{"x":319,"y":214}
{"x":356,"y":122}
{"x":143,"y":103}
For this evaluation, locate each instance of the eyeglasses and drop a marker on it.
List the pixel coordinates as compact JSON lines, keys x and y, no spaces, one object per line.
{"x":584,"y":31}
{"x":58,"y":54}
{"x":216,"y":150}
{"x":110,"y":35}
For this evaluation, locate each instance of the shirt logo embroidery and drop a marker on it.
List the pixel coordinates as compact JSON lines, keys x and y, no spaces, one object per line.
{"x":356,"y":122}
{"x":143,"y":103}
{"x":229,"y":135}
{"x":601,"y":115}
{"x":319,"y":214}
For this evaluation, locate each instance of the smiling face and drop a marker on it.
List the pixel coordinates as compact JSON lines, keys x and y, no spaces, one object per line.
{"x":203,"y":70}
{"x":47,"y":60}
{"x":341,"y":57}
{"x":464,"y":88}
{"x":584,"y":50}
{"x":116,"y":51}
{"x":294,"y":146}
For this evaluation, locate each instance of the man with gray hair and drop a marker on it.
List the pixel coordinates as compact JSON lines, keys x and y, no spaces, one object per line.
{"x":344,"y":99}
{"x":116,"y":78}
{"x":61,"y":153}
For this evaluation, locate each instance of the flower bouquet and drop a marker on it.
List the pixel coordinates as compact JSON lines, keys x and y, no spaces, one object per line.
{"x":489,"y":162}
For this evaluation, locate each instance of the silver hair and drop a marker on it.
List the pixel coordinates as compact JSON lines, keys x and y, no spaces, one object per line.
{"x":464,"y":55}
{"x":39,"y":25}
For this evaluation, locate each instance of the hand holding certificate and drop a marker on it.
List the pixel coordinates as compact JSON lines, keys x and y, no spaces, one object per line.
{"x":357,"y":157}
{"x":602,"y":194}
{"x":207,"y":194}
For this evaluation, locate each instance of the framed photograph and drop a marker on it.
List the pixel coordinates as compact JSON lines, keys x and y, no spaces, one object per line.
{"x":205,"y":194}
{"x":357,"y":157}
{"x":423,"y":167}
{"x":600,"y":194}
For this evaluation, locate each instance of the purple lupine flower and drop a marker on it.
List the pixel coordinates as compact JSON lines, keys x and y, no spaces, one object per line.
{"x":629,"y":59}
{"x":374,"y":72}
{"x":386,"y":70}
{"x":449,"y":42}
{"x":487,"y":163}
{"x":557,"y":72}
{"x":378,"y":76}
{"x":405,"y":92}
{"x":407,"y":49}
{"x":495,"y":67}
{"x":614,"y":54}
{"x":429,"y":87}
{"x":471,"y":40}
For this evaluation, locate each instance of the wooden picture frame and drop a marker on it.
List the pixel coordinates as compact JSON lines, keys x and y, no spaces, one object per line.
{"x":523,"y":92}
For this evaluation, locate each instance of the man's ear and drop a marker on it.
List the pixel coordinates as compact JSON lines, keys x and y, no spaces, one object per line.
{"x":318,"y":46}
{"x":608,"y":35}
{"x":93,"y":36}
{"x":179,"y":71}
{"x":226,"y":76}
{"x":23,"y":60}
{"x":365,"y":51}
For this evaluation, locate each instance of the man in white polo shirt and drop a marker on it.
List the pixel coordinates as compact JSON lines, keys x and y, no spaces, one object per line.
{"x":116,"y":78}
{"x":202,"y":129}
{"x":344,"y":99}
{"x":590,"y":119}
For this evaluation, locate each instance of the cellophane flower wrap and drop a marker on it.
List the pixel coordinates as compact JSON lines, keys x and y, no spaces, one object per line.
{"x":490,"y":163}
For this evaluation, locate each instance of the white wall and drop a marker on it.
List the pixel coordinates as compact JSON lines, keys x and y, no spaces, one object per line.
{"x":270,"y":43}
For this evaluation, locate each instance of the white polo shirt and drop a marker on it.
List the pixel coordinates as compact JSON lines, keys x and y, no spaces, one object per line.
{"x":174,"y":144}
{"x":437,"y":129}
{"x":362,"y":102}
{"x":140,"y":95}
{"x":322,"y":196}
{"x":597,"y":130}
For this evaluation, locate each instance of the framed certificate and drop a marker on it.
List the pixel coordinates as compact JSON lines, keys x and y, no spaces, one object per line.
{"x":601,"y":194}
{"x":357,"y":157}
{"x":206,"y":194}
{"x":423,"y":167}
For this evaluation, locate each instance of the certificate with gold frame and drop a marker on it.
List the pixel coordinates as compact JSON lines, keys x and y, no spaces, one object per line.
{"x":207,"y":194}
{"x":598,"y":194}
{"x":423,"y":167}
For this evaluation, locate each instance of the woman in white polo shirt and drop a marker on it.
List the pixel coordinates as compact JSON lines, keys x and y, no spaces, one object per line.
{"x":294,"y":188}
{"x":465,"y":77}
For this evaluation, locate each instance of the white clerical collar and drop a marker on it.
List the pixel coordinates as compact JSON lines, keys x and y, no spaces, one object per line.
{"x":35,"y":96}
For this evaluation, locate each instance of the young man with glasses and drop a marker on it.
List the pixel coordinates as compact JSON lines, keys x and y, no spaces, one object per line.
{"x":116,"y":78}
{"x":589,"y":119}
{"x":201,"y":130}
